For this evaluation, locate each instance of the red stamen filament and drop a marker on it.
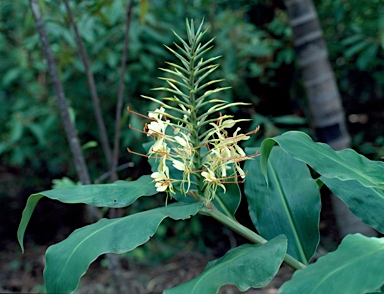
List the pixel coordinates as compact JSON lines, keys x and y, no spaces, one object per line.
{"x":140,"y":154}
{"x":139,"y":114}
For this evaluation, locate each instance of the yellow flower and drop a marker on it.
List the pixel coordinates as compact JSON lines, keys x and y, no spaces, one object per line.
{"x":159,"y":146}
{"x":211,"y":178}
{"x":181,"y":141}
{"x":157,"y":128}
{"x":240,"y":171}
{"x":178,"y":165}
{"x":239,"y":150}
{"x":157,"y":114}
{"x":163,"y":182}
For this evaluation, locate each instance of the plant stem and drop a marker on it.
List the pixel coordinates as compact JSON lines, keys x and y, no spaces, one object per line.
{"x":92,"y":87}
{"x":192,"y":98}
{"x":69,"y":128}
{"x":119,"y":105}
{"x":234,"y":225}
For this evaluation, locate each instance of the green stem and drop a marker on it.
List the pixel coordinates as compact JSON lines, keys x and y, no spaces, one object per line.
{"x":224,"y":208}
{"x":193,"y":119}
{"x":234,"y":225}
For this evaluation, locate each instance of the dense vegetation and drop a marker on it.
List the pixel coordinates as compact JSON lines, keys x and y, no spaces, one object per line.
{"x":258,"y":62}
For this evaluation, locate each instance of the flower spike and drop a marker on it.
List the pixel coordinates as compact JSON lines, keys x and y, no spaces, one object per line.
{"x":193,"y":149}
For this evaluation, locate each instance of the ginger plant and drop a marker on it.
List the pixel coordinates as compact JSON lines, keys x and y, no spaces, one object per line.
{"x":195,"y":154}
{"x":189,"y":130}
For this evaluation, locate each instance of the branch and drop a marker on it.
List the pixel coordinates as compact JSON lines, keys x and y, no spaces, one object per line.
{"x":108,"y":173}
{"x":92,"y":86}
{"x":69,"y":128}
{"x":119,"y":105}
{"x":246,"y":233}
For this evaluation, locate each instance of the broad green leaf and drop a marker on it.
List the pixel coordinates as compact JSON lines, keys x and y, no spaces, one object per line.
{"x":289,"y":205}
{"x":245,"y":266}
{"x":118,"y":194}
{"x":229,"y":201}
{"x":341,"y":166}
{"x":367,"y":203}
{"x":355,"y":267}
{"x":68,"y":260}
{"x":344,"y":164}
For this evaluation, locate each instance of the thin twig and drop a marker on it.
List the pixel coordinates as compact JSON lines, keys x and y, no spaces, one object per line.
{"x":69,"y":128}
{"x":70,"y":131}
{"x":92,"y":86}
{"x":108,"y":173}
{"x":120,"y":95}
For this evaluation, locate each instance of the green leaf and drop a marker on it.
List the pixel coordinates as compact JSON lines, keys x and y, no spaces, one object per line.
{"x":118,"y":194}
{"x":68,"y":260}
{"x":367,"y":203}
{"x":289,"y":205}
{"x":38,"y":132}
{"x":350,"y":40}
{"x":10,"y":76}
{"x":229,"y":201}
{"x":357,"y":47}
{"x":367,"y":56}
{"x":245,"y":266}
{"x":89,"y":144}
{"x":64,"y":183}
{"x":17,"y":131}
{"x":355,"y":267}
{"x":3,"y":147}
{"x":344,"y":165}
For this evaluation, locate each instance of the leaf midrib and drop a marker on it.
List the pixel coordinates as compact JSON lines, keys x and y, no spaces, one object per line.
{"x":342,"y":163}
{"x":289,"y":214}
{"x":79,"y":244}
{"x":221,"y":265}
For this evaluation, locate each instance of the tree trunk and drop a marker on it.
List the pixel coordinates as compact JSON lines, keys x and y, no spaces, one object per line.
{"x":327,"y":114}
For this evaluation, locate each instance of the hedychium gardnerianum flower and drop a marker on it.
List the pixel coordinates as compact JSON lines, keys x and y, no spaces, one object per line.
{"x":195,"y":150}
{"x":190,"y":134}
